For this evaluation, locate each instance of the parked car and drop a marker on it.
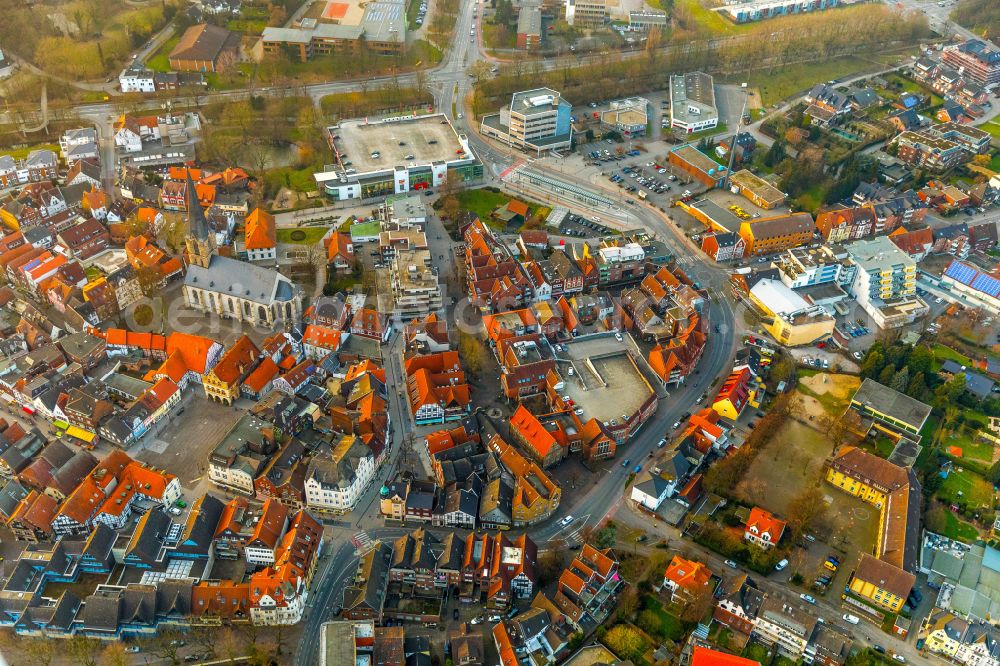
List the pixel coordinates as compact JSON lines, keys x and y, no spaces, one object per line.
{"x":807,"y":598}
{"x":781,"y":565}
{"x":661,"y":443}
{"x":731,"y":564}
{"x":851,"y":619}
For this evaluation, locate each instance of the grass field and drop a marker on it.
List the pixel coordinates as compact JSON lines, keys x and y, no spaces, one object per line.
{"x":832,"y":392}
{"x":993,"y":127}
{"x":776,"y":85}
{"x":971,"y":447}
{"x":943,"y":353}
{"x":976,"y":491}
{"x":158,"y":62}
{"x":670,"y":626}
{"x":482,"y":202}
{"x":708,"y":20}
{"x":942,"y":521}
{"x":310,"y":235}
{"x":21,"y":153}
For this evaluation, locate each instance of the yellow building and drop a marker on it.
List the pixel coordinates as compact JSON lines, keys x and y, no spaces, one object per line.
{"x":794,"y":321}
{"x":222,"y":383}
{"x":883,"y":579}
{"x":882,"y":583}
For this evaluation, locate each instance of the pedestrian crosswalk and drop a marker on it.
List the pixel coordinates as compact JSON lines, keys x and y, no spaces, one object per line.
{"x":362,"y":543}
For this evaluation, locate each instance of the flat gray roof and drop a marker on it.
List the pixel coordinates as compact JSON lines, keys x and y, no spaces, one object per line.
{"x":890,"y":402}
{"x":695,"y":90}
{"x":718,"y":214}
{"x":428,"y":139}
{"x":606,"y":382}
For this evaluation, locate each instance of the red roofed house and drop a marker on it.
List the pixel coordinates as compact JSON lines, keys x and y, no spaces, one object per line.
{"x":259,"y":239}
{"x":703,"y":656}
{"x":734,"y":394}
{"x":436,"y":387}
{"x":222,"y":383}
{"x":537,"y":442}
{"x":512,"y":570}
{"x":370,"y":323}
{"x":339,"y":252}
{"x":917,"y":243}
{"x":189,"y":359}
{"x":685,"y":578}
{"x":32,"y":519}
{"x":259,"y":548}
{"x":591,"y":581}
{"x":318,"y":341}
{"x":278,"y":592}
{"x":763,"y":529}
{"x":259,"y":382}
{"x":136,"y":482}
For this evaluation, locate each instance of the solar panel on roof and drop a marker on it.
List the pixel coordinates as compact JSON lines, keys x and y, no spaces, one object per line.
{"x":987,"y":284}
{"x":961,"y":272}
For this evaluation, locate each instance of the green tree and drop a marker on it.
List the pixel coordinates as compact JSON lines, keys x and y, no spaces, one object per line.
{"x":605,"y":537}
{"x":625,"y":642}
{"x":900,"y":380}
{"x":917,"y":386}
{"x":888,"y":372}
{"x":775,"y":154}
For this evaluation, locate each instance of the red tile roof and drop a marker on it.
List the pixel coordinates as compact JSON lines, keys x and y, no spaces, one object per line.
{"x":236,"y":361}
{"x":258,"y":379}
{"x":687,"y":574}
{"x":703,"y":656}
{"x":260,"y":233}
{"x":761,"y":522}
{"x":532,"y":432}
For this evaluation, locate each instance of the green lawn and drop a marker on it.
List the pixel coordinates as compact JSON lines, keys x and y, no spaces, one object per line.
{"x":971,"y":447}
{"x":992,"y":127}
{"x":718,"y":129}
{"x":708,"y":20}
{"x":300,"y":180}
{"x":481,"y":201}
{"x":942,"y":521}
{"x":976,"y":491}
{"x":159,"y":62}
{"x":995,"y":162}
{"x":943,"y":353}
{"x":775,"y":85}
{"x":670,"y":625}
{"x":21,"y":153}
{"x":755,"y":651}
{"x":304,"y":236}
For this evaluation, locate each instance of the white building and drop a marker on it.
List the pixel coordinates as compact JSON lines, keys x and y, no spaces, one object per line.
{"x":374,"y":160}
{"x":136,"y":79}
{"x":885,"y":283}
{"x":334,"y":485}
{"x":692,"y":102}
{"x":975,"y":286}
{"x":537,"y":120}
{"x":783,"y":626}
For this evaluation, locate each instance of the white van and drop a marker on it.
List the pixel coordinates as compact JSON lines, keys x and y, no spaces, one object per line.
{"x":781,"y":565}
{"x":852,"y":619}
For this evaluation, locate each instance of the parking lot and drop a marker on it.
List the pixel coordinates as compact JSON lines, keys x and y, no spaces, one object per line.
{"x":581,"y":227}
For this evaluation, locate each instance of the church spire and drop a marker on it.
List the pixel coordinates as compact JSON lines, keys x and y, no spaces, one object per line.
{"x":197,"y":224}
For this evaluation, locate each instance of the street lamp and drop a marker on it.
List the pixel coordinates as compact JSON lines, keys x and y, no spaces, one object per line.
{"x":739,"y":125}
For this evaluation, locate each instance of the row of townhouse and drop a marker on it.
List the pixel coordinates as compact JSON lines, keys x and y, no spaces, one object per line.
{"x":484,"y":568}
{"x":274,"y":593}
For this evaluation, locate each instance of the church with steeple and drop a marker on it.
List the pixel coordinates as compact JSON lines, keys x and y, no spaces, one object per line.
{"x":230,"y":288}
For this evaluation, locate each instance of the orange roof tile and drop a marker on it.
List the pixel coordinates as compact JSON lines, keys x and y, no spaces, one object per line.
{"x":193,"y":349}
{"x":271,"y":524}
{"x":265,"y":372}
{"x":260,"y":233}
{"x":704,"y":656}
{"x":236,"y":361}
{"x":323,"y":337}
{"x":532,"y":432}
{"x":687,"y":574}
